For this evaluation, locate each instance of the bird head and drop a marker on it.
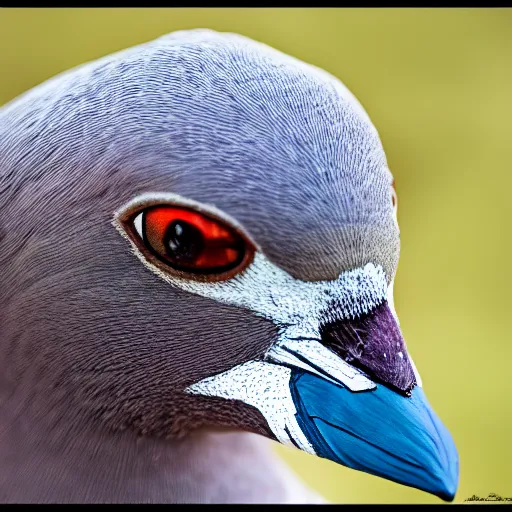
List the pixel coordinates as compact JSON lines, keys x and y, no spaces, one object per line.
{"x":201,"y":232}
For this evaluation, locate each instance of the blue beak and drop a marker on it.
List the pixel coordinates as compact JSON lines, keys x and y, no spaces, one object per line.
{"x":380,"y":432}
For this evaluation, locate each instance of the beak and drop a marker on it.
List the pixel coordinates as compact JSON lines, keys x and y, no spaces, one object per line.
{"x":358,"y":403}
{"x":379,"y":432}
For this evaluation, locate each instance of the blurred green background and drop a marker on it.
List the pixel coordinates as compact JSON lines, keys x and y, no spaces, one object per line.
{"x":438,"y":85}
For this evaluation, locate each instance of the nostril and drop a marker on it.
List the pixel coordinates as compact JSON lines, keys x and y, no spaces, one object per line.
{"x":345,"y":338}
{"x":373,"y":343}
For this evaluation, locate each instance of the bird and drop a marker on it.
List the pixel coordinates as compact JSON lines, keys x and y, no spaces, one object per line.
{"x":198,"y":245}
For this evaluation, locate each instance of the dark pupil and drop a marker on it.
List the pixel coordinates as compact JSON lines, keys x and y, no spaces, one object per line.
{"x":183,"y":241}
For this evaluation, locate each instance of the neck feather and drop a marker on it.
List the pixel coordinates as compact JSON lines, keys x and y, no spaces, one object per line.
{"x":43,"y":461}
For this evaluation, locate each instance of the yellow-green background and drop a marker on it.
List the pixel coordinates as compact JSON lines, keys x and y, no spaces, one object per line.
{"x":438,"y":86}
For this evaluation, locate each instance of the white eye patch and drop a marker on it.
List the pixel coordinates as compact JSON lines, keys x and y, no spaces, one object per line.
{"x":272,"y":293}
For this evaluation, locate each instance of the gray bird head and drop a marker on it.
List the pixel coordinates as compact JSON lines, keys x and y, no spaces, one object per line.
{"x":199,"y":232}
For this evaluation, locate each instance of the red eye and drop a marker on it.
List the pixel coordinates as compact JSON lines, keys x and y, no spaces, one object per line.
{"x":191,"y":241}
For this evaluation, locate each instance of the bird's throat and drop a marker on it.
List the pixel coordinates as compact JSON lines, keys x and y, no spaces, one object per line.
{"x":73,"y":465}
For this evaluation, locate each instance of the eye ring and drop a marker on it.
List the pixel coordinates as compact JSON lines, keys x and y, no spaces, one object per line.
{"x":187,"y":241}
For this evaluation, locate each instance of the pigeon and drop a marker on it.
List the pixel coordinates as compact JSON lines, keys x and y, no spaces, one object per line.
{"x":198,"y":244}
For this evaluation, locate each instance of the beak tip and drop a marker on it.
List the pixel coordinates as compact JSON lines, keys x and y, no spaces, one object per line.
{"x":447,"y":496}
{"x":441,"y":462}
{"x":450,"y":484}
{"x":446,"y":484}
{"x":449,"y":476}
{"x":449,"y":490}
